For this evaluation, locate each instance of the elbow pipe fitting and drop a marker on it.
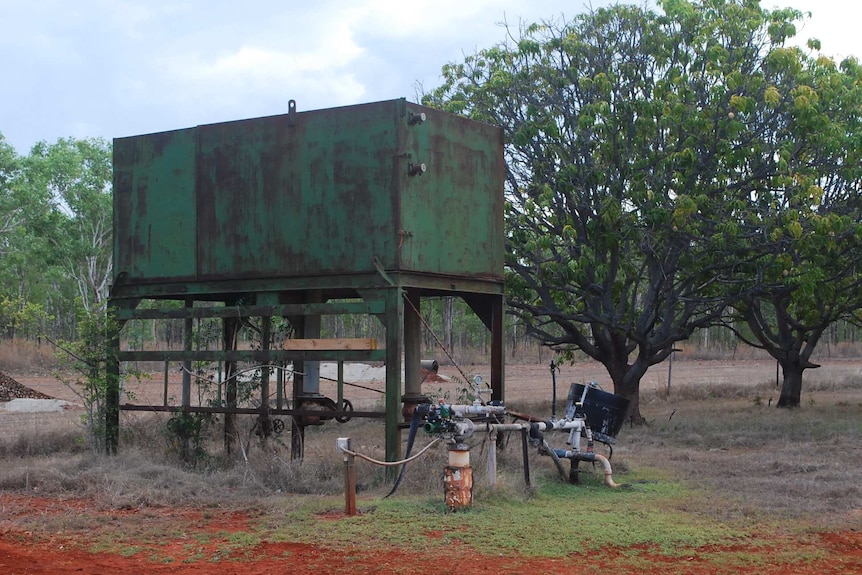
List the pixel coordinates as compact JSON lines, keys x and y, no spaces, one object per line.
{"x":536,"y":437}
{"x":590,"y":457}
{"x":606,"y":464}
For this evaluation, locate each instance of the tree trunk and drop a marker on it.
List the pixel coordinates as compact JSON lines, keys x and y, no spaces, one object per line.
{"x":791,"y":389}
{"x":448,"y":321}
{"x":627,"y":380}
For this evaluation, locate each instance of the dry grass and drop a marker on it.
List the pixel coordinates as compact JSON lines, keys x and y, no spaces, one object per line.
{"x":752,"y":460}
{"x":756,"y":459}
{"x":28,"y":357}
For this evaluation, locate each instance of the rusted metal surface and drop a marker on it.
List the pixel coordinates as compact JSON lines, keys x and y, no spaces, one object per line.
{"x":307,"y":413}
{"x":458,"y":487}
{"x":262,"y":198}
{"x":360,"y":202}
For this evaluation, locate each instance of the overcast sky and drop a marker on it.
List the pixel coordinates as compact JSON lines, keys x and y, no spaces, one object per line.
{"x":112,"y":68}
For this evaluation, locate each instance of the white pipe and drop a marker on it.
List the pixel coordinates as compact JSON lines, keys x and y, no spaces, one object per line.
{"x":492,"y":457}
{"x":466,"y":428}
{"x":462,"y":410}
{"x":560,"y":424}
{"x":609,"y":480}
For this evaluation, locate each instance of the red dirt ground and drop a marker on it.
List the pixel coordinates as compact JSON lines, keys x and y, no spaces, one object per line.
{"x":28,"y":553}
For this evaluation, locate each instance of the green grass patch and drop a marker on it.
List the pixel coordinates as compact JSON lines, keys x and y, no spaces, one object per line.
{"x":554,"y":520}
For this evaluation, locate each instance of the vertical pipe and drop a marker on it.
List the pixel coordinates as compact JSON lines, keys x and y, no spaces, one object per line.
{"x":492,"y":457}
{"x":498,"y":370}
{"x":188,"y":329}
{"x":349,"y":481}
{"x":230,"y":329}
{"x":393,"y":321}
{"x":553,"y":391}
{"x":412,"y":344}
{"x":219,"y":382}
{"x":311,"y":330}
{"x":263,"y":418}
{"x":526,"y":454}
{"x":340,"y":384}
{"x":412,"y":355}
{"x":458,"y":478}
{"x":297,"y":429}
{"x":112,"y":372}
{"x":167,"y":374}
{"x":279,"y":386}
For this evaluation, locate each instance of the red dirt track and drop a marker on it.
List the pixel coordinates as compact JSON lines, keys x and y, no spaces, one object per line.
{"x":199,"y":542}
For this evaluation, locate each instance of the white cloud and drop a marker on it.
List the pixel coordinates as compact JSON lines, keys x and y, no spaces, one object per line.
{"x":834,"y":22}
{"x":313,"y":64}
{"x":121,"y":67}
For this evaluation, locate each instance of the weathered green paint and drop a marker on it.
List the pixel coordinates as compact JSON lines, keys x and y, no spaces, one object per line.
{"x":155,"y":224}
{"x":312,"y":193}
{"x":255,"y":355}
{"x":262,"y":214}
{"x":343,"y":308}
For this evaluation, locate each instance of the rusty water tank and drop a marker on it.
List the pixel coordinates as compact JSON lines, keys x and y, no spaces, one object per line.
{"x":343,"y":192}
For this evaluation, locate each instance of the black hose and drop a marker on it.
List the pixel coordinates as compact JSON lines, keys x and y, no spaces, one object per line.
{"x":418,"y":413}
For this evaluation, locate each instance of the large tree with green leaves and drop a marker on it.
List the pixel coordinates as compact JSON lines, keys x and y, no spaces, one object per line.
{"x":55,"y":234}
{"x":630,"y":168}
{"x":805,"y":267}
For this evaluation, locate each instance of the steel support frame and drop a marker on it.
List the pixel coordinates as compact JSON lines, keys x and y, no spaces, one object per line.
{"x":387,"y":303}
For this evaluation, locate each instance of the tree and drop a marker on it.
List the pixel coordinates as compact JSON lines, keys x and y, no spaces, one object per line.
{"x":10,"y":212}
{"x":628,"y":169}
{"x":77,"y":176}
{"x":25,"y":224}
{"x":806,"y":265}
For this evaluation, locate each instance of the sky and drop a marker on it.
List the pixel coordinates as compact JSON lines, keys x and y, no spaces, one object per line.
{"x":115,"y":68}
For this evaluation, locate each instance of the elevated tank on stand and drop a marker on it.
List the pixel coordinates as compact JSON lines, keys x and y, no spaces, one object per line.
{"x":362,"y":209}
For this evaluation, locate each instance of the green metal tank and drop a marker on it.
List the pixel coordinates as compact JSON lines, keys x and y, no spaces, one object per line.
{"x":336,"y":193}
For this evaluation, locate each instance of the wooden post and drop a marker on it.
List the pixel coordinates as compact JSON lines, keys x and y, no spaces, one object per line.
{"x":349,"y":475}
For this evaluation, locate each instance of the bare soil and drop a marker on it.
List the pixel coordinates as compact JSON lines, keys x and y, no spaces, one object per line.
{"x":524,"y":382}
{"x":201,"y":543}
{"x":68,"y":550}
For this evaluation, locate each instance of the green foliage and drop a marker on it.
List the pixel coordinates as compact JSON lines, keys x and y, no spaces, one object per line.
{"x":20,"y":318}
{"x":77,"y":175}
{"x":188,"y":434}
{"x":55,"y":229}
{"x":92,"y":355}
{"x":649,"y":155}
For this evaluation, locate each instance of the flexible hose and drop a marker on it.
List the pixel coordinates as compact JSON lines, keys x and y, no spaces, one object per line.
{"x":411,"y":436}
{"x":391,"y":463}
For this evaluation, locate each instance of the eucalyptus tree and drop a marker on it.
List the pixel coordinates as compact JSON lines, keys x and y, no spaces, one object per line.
{"x":10,"y":213}
{"x":25,"y":271}
{"x":76,"y":174}
{"x":628,"y":169}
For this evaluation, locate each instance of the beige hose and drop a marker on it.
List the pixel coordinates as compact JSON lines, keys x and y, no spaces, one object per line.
{"x":391,"y":463}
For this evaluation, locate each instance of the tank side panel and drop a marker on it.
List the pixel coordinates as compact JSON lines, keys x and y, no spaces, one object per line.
{"x":154,"y":207}
{"x":453,"y":212}
{"x":307,"y":195}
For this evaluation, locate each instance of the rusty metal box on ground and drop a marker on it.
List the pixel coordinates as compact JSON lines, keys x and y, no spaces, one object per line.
{"x":349,"y":190}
